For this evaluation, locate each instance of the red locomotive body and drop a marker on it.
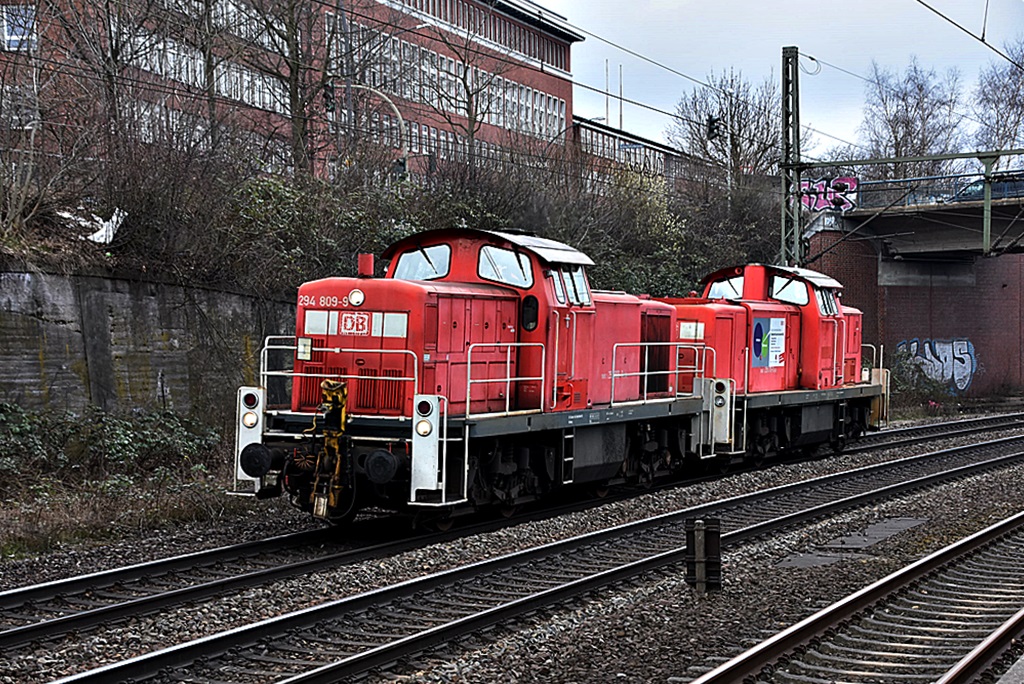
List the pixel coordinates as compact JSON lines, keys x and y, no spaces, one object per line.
{"x":482,"y":369}
{"x":777,"y":330}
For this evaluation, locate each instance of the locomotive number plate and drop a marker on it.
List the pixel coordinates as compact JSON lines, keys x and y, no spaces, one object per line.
{"x":355,"y":323}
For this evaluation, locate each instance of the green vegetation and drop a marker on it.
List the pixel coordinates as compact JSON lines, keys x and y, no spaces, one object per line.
{"x":65,"y":477}
{"x":914,"y":393}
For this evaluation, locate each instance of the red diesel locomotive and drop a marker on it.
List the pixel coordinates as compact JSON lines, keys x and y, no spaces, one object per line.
{"x":482,"y":369}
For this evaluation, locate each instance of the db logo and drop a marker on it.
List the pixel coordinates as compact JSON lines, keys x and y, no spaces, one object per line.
{"x":355,"y":323}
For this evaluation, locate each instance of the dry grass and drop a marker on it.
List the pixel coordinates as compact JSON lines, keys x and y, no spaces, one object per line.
{"x":52,"y":515}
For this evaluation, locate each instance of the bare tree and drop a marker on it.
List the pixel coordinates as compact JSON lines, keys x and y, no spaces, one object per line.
{"x":465,"y":87}
{"x":725,"y":194}
{"x":43,"y":150}
{"x":915,"y":113}
{"x":102,"y":44}
{"x":999,"y":105}
{"x":732,"y":123}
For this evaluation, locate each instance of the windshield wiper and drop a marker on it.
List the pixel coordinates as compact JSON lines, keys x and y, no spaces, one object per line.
{"x":427,"y":257}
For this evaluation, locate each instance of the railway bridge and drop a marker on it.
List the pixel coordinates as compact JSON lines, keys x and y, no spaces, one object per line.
{"x":932,"y":280}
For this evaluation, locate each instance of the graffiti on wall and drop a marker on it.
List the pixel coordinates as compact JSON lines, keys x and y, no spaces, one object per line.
{"x":952,"y":362}
{"x":838,"y":194}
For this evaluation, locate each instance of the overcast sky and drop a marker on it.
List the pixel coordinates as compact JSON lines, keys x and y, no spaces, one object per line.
{"x":698,"y":37}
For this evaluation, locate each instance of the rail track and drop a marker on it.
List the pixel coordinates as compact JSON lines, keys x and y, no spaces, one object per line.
{"x":48,"y":610}
{"x":943,"y":619}
{"x":887,"y":439}
{"x":353,"y":635}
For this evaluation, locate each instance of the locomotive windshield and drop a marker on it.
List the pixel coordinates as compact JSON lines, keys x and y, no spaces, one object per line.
{"x":789,"y":290}
{"x":729,"y":288}
{"x":505,"y":266}
{"x":424,"y":263}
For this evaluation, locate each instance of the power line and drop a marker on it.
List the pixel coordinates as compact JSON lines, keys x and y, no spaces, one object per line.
{"x":171,"y":87}
{"x":692,"y":79}
{"x":877,"y":84}
{"x":502,"y":58}
{"x":497,"y":57}
{"x":980,"y":39}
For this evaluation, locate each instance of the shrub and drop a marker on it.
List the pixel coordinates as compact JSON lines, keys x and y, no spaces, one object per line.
{"x":41,"y":448}
{"x":911,"y":387}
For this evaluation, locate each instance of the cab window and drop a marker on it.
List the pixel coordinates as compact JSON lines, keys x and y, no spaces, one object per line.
{"x":505,"y":266}
{"x":556,"y":279}
{"x":729,"y":288}
{"x":789,"y":290}
{"x":574,"y":278}
{"x":827,"y":304}
{"x":424,"y":263}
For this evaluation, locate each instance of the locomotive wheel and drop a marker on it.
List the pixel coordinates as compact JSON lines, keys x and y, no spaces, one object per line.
{"x":756,"y":458}
{"x":444,"y":524}
{"x":838,"y":444}
{"x":601,"y":491}
{"x":508,"y":510}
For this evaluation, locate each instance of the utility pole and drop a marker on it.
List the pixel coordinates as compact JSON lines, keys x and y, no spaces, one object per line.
{"x":791,"y":249}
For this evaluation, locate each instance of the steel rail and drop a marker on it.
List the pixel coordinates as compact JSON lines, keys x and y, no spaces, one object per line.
{"x":920,"y":433}
{"x":767,"y":652}
{"x":93,"y":617}
{"x":13,"y":598}
{"x":149,"y":665}
{"x":142,"y":605}
{"x":995,"y":645}
{"x":389,"y":653}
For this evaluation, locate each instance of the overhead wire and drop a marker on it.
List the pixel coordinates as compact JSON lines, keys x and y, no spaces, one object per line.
{"x":673,"y":115}
{"x":686,"y":76}
{"x":879,"y":84}
{"x":353,"y":12}
{"x":169,"y":87}
{"x":169,"y":90}
{"x":514,"y":63}
{"x":980,"y":39}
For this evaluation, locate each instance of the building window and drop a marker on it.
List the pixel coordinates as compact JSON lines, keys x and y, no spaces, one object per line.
{"x":19,"y":26}
{"x":17,"y":108}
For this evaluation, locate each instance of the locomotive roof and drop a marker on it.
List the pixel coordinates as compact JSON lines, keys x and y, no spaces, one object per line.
{"x":549,"y":250}
{"x":815,"y":278}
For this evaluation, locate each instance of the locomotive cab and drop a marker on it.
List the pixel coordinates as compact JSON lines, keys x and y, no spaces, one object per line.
{"x":545,"y":362}
{"x":792,"y":351}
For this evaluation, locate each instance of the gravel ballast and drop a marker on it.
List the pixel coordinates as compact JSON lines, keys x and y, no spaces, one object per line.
{"x":655,"y":629}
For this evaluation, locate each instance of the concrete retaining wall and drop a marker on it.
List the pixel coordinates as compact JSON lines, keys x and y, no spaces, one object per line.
{"x":67,"y":342}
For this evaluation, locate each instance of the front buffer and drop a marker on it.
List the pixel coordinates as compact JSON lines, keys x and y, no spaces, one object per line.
{"x":331,"y":465}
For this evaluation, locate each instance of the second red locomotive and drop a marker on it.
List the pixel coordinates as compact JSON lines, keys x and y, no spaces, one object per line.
{"x":482,"y":369}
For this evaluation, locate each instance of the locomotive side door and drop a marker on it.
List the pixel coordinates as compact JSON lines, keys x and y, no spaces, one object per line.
{"x":572,"y":321}
{"x":831,"y":338}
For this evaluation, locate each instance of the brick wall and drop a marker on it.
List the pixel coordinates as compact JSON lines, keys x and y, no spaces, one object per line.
{"x":963,"y":320}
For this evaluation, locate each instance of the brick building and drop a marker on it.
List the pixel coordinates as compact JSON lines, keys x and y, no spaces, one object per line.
{"x":469,"y":79}
{"x":300,"y":81}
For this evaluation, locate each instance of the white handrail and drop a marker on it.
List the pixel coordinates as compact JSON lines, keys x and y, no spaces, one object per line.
{"x":508,"y":379}
{"x":835,"y":346}
{"x":841,"y":373}
{"x":700,"y":360}
{"x":269,"y":345}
